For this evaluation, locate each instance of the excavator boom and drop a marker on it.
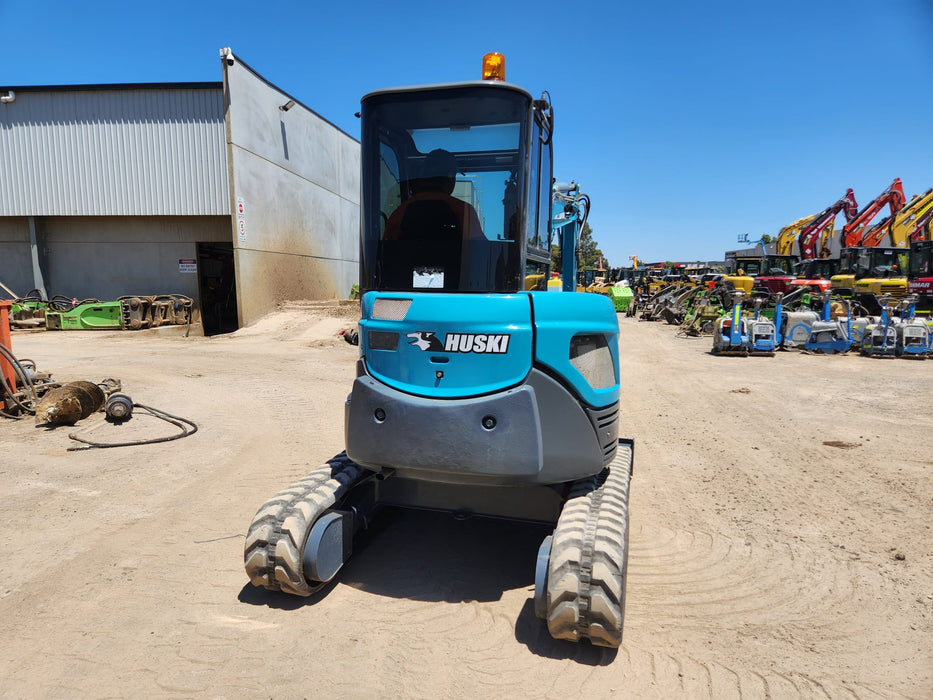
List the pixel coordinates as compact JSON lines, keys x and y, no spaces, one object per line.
{"x":822,"y":226}
{"x":787,"y":235}
{"x":853,"y":232}
{"x":921,"y":230}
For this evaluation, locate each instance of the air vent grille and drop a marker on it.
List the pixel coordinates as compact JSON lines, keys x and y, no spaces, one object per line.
{"x":391,"y":309}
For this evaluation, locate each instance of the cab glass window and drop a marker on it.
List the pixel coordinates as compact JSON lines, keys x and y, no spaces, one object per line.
{"x":443,"y":176}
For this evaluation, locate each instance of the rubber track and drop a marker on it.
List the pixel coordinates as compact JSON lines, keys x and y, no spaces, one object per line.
{"x":589,"y":558}
{"x":276,"y":537}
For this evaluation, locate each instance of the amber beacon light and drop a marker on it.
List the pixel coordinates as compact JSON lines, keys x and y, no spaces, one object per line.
{"x":494,"y":67}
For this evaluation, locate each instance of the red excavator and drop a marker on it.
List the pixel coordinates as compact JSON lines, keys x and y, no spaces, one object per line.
{"x":822,"y":227}
{"x":815,"y":266}
{"x":868,"y":268}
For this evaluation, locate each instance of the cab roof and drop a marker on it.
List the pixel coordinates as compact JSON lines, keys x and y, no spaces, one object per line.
{"x":487,"y":84}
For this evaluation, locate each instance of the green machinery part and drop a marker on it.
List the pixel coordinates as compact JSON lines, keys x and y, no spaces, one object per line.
{"x":107,"y":315}
{"x":621,"y":297}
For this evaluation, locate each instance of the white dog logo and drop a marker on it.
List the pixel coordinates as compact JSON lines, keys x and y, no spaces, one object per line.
{"x":425,"y":340}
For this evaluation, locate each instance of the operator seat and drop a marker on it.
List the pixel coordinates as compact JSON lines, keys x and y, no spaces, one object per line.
{"x":427,"y":231}
{"x":429,"y":237}
{"x":430,"y":220}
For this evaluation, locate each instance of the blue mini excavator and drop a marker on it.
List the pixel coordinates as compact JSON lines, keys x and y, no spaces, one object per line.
{"x":478,"y":390}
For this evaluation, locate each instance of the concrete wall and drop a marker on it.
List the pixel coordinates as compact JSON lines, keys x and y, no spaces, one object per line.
{"x":15,"y":257}
{"x":297,"y":179}
{"x":109,"y":257}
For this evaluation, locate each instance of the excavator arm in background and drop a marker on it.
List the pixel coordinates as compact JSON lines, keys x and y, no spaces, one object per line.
{"x":922,"y":227}
{"x":787,"y":235}
{"x":826,"y":234}
{"x":902,"y":226}
{"x":822,"y":226}
{"x":853,"y":231}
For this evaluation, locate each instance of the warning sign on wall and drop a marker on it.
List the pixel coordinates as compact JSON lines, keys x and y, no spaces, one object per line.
{"x":187,"y":266}
{"x":241,"y":220}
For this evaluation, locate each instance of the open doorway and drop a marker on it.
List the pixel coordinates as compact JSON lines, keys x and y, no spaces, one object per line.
{"x":217,"y":288}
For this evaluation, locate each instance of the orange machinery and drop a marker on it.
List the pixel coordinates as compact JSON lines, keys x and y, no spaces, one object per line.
{"x":852,"y":232}
{"x":6,"y":369}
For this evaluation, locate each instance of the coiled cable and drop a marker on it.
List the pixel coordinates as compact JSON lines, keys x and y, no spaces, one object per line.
{"x":188,"y":427}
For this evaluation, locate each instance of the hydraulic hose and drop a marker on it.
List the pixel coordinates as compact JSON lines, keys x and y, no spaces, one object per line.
{"x":12,"y":396}
{"x":585,"y":199}
{"x":60,"y":303}
{"x":25,"y":380}
{"x":188,"y":427}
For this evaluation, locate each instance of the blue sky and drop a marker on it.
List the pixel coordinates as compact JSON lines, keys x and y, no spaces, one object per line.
{"x":687,"y":123}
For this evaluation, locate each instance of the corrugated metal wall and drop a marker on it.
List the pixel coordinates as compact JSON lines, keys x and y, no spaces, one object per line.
{"x":107,"y":151}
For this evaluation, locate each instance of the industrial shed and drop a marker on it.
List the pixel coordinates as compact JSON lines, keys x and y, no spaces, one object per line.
{"x":232,"y":193}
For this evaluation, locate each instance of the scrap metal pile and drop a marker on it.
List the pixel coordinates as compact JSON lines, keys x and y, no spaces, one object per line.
{"x":25,"y":391}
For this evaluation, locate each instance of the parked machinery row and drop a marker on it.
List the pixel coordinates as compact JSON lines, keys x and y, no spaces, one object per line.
{"x":805,"y":319}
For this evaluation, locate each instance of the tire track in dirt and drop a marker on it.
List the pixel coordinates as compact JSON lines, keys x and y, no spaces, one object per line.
{"x":745,"y":589}
{"x":700,"y":576}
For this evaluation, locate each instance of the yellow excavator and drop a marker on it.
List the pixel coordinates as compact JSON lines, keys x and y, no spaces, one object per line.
{"x":791,"y":233}
{"x":787,"y":236}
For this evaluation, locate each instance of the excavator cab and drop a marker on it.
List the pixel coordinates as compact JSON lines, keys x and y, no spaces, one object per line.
{"x":456,"y":188}
{"x":866,"y":274}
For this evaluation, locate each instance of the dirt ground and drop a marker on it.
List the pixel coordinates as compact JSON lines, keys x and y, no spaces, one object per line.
{"x":780,"y":535}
